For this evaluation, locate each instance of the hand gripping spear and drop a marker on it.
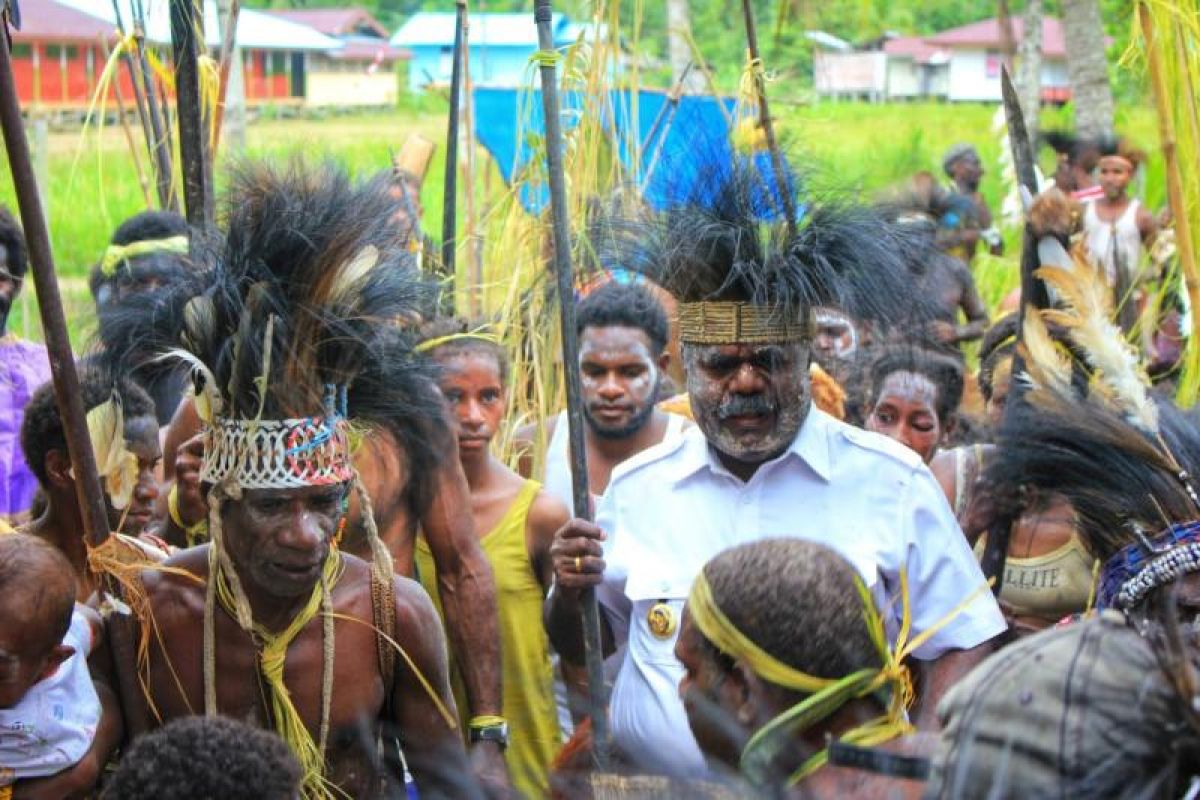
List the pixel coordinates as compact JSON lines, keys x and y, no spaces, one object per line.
{"x":1033,"y":293}
{"x":65,"y":379}
{"x":543,"y":15}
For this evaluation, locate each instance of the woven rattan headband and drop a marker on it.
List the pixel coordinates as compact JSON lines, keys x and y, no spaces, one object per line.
{"x":726,"y":322}
{"x":277,"y":453}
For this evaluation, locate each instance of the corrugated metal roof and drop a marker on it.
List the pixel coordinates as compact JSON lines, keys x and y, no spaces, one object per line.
{"x":362,"y":48}
{"x":332,"y":21}
{"x":50,"y":20}
{"x":920,"y":50}
{"x":436,"y":29}
{"x":986,"y":33}
{"x":256,"y":30}
{"x":828,"y":41}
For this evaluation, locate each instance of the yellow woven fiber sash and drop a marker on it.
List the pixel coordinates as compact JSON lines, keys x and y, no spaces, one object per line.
{"x":272,"y":657}
{"x":728,"y":322}
{"x":116,"y":253}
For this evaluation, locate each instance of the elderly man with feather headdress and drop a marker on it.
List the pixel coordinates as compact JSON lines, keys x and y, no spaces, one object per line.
{"x":272,"y":621}
{"x":762,"y":462}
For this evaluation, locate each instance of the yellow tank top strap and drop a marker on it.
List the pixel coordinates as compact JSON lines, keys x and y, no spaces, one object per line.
{"x":518,"y":511}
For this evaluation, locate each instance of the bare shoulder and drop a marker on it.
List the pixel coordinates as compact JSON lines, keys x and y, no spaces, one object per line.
{"x":415,"y":613}
{"x":546,"y":515}
{"x":177,"y":585}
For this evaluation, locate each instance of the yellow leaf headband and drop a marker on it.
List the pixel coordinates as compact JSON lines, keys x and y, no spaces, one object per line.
{"x":117,"y":253}
{"x":429,"y":345}
{"x":825,"y":695}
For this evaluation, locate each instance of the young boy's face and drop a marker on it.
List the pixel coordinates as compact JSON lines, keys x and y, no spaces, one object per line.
{"x":1114,"y":177}
{"x":26,"y":656}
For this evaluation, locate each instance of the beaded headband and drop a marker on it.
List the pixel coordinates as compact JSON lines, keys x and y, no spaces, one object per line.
{"x":1139,"y":568}
{"x":277,"y":453}
{"x":729,"y":322}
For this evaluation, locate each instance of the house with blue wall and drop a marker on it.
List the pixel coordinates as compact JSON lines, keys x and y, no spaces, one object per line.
{"x":500,"y":46}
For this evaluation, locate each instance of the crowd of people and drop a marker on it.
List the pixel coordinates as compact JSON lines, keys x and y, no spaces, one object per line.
{"x":850,"y":534}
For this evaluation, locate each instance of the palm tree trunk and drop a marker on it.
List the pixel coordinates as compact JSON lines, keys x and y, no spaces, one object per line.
{"x":1029,"y":67}
{"x":678,"y":51}
{"x":1087,"y":67}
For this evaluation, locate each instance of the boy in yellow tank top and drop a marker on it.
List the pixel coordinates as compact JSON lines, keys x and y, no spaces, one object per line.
{"x":516,"y":522}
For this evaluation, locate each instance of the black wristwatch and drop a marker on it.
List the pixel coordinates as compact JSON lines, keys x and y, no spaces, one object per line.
{"x":491,"y":733}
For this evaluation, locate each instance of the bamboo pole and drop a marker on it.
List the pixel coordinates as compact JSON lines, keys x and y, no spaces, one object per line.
{"x":65,"y":380}
{"x":1183,"y":225}
{"x":580,"y":494}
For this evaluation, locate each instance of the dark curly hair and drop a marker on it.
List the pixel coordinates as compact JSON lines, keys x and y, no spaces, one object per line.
{"x":820,"y":630}
{"x":627,"y":305}
{"x":206,"y":757}
{"x":12,"y":238}
{"x":42,"y":428}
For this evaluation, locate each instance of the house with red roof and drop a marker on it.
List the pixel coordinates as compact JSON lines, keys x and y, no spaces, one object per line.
{"x":976,"y":54}
{"x":958,"y":65}
{"x":367,"y":70}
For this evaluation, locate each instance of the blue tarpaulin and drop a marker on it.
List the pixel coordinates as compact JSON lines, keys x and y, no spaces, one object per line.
{"x":509,"y":125}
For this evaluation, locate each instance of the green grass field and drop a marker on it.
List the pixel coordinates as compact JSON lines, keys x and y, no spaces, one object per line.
{"x":851,"y":147}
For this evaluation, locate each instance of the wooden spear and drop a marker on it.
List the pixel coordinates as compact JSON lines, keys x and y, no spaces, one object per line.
{"x":450,"y":177}
{"x":764,"y":113}
{"x":543,"y":16}
{"x":1033,"y":293}
{"x":124,"y":120}
{"x":187,"y":33}
{"x":88,"y":492}
{"x":140,"y":100}
{"x":163,"y":165}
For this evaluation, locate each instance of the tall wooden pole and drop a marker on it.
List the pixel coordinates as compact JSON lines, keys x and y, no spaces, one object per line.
{"x":450,"y":178}
{"x":187,"y":32}
{"x":764,"y":114}
{"x":65,"y":379}
{"x":580,"y":495}
{"x":1033,"y":293}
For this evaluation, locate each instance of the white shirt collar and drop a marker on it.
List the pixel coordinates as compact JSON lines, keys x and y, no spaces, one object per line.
{"x":811,"y":446}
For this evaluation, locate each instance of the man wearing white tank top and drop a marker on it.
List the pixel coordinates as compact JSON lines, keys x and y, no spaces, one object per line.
{"x":623,"y":333}
{"x":1118,"y":228}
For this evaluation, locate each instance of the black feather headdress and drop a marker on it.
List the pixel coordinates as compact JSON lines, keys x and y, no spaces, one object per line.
{"x":726,"y":242}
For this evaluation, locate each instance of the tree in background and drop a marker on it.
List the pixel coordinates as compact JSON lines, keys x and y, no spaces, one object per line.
{"x":1029,"y":67}
{"x":679,"y":29}
{"x":1087,"y":67}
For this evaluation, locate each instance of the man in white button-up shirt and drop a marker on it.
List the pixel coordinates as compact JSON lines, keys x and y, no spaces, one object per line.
{"x":761,"y":463}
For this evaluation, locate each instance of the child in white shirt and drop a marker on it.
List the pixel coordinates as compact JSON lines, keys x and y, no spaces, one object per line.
{"x":49,"y":709}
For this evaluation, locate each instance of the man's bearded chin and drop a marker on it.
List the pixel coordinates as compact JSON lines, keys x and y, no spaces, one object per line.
{"x":635,"y":424}
{"x":756,"y":449}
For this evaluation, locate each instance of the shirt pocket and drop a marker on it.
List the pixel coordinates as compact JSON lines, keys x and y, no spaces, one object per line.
{"x":657,"y":609}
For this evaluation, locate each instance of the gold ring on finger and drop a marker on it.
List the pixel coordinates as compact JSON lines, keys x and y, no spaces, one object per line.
{"x":579,"y":563}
